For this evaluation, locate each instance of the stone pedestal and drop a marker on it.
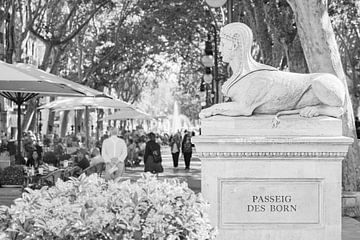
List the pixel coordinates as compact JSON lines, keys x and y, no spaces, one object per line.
{"x":267,"y":183}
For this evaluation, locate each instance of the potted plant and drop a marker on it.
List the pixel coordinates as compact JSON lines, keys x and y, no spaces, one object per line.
{"x":89,"y":207}
{"x":12,"y":176}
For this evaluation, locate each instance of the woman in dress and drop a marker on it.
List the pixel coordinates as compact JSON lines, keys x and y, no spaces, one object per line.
{"x":152,"y":156}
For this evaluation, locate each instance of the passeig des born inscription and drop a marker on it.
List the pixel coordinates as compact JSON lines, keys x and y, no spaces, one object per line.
{"x":271,"y":203}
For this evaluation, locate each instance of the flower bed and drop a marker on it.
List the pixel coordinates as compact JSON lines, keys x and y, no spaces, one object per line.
{"x":91,"y":208}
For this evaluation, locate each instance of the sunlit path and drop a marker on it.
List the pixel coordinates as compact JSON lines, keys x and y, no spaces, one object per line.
{"x":192,"y":176}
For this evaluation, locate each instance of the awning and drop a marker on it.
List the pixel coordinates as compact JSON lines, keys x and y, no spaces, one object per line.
{"x":22,"y":82}
{"x":81,"y":103}
{"x":128,"y":114}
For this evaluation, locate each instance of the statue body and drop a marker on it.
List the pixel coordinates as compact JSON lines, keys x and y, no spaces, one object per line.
{"x":258,"y":88}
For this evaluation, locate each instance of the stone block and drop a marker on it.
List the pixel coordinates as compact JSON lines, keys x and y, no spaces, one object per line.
{"x":264,"y":184}
{"x":351,"y":204}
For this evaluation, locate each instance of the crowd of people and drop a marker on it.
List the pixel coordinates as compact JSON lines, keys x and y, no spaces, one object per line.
{"x":117,"y":149}
{"x":130,"y":148}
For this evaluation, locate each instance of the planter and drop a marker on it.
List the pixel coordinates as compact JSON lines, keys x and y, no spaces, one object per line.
{"x":11,"y":186}
{"x":8,"y":195}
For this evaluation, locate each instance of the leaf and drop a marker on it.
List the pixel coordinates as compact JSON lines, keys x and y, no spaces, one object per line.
{"x":135,"y":198}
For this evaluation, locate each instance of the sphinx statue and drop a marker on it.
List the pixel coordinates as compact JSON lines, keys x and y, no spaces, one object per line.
{"x":255,"y":88}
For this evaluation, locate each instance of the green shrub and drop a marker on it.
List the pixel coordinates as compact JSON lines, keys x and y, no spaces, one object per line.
{"x":12,"y":175}
{"x":91,"y":208}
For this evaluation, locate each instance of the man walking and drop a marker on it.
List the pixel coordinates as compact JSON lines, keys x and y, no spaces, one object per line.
{"x":114,"y":152}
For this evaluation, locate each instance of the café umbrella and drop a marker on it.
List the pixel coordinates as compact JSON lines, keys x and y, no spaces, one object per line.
{"x":82,"y":103}
{"x":126,"y":114}
{"x":86,"y":103}
{"x":22,"y":82}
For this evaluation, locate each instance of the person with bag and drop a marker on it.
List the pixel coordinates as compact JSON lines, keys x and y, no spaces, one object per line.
{"x":152,"y":156}
{"x":175,"y":142}
{"x":114,"y":152}
{"x":186,"y":148}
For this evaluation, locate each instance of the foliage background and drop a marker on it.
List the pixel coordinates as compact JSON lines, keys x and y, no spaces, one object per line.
{"x":133,"y":46}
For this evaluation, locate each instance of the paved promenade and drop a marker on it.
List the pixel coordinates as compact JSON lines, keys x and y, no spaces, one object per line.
{"x":350,"y":229}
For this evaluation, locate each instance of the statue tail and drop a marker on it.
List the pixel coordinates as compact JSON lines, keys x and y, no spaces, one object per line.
{"x":276,"y":120}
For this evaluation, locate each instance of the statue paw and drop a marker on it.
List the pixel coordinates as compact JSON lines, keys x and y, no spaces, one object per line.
{"x":205,"y":113}
{"x":309,"y":112}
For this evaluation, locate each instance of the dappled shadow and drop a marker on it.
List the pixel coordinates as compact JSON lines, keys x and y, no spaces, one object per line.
{"x":192,"y":176}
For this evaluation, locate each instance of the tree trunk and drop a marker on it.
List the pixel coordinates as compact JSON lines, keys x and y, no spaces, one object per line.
{"x":32,"y":125}
{"x":45,"y":62}
{"x":55,"y":62}
{"x":262,"y":35}
{"x":51,"y":119}
{"x":255,"y":18}
{"x":28,"y":122}
{"x":80,"y":58}
{"x":64,"y":123}
{"x":296,"y":58}
{"x":322,"y":55}
{"x":99,"y":124}
{"x":44,"y":66}
{"x":79,"y":121}
{"x":10,"y":35}
{"x":4,"y":12}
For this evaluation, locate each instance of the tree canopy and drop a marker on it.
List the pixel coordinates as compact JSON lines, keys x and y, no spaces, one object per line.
{"x":124,"y":44}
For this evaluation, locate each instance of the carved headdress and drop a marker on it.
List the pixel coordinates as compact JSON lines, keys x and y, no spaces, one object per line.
{"x":242,"y":35}
{"x":239,"y":33}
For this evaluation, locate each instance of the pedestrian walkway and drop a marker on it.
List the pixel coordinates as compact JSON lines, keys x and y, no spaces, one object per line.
{"x":192,"y":176}
{"x":350,"y":229}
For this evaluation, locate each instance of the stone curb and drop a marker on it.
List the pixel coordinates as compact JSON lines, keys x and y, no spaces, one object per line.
{"x":351,"y":204}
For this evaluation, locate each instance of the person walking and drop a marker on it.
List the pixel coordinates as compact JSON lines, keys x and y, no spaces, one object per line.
{"x":186,"y":148}
{"x":175,"y":142}
{"x":130,"y":159}
{"x":114,"y":152}
{"x":152,"y":156}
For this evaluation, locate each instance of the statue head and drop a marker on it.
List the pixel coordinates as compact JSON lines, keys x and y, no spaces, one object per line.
{"x":235,"y":38}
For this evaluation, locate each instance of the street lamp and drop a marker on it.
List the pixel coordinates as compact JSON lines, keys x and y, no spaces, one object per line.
{"x":215,"y":3}
{"x":208,"y":77}
{"x":203,"y":94}
{"x":210,"y":62}
{"x":208,"y":59}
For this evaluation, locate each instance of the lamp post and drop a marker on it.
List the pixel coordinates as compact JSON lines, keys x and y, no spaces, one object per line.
{"x":203,"y":94}
{"x":216,"y":64}
{"x":210,"y":62}
{"x":211,"y":59}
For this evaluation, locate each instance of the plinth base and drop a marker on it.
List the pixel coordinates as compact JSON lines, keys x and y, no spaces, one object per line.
{"x":273,"y":186}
